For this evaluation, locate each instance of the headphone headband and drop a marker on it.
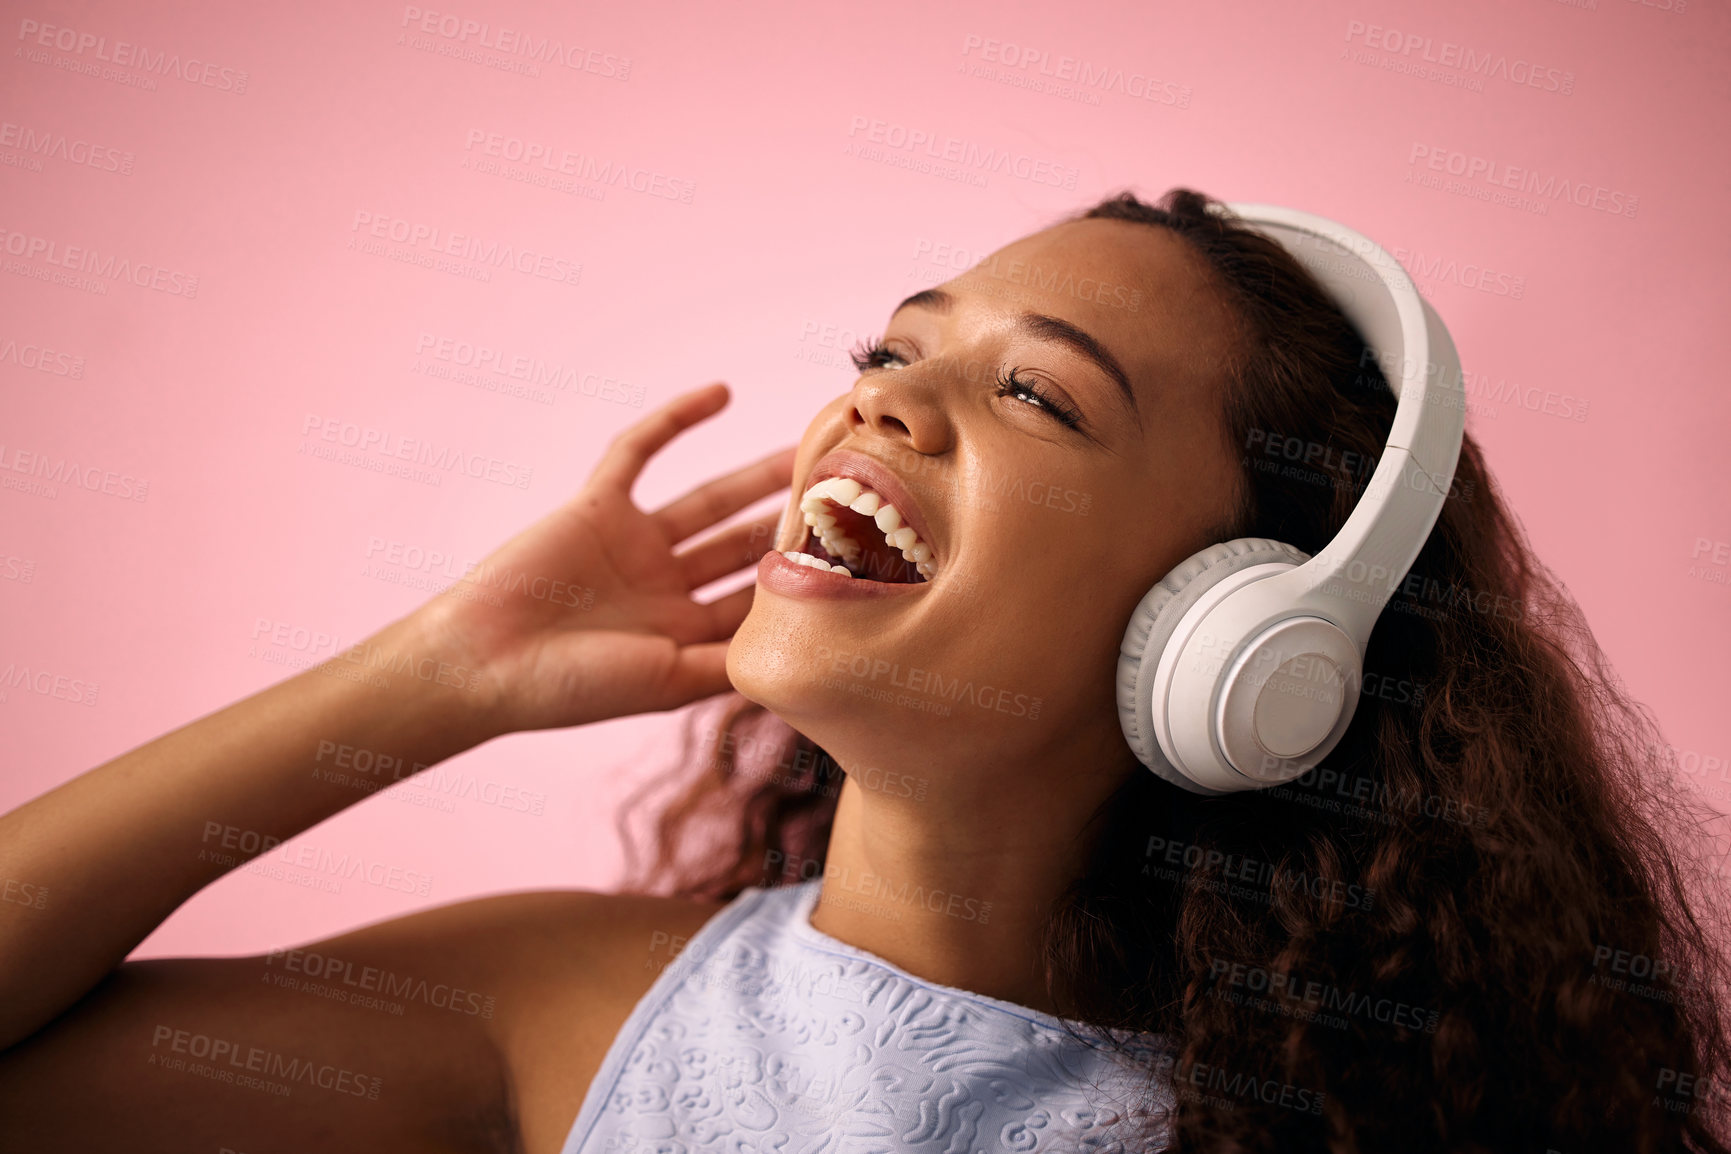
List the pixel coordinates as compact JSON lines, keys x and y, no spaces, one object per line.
{"x":1353,"y":577}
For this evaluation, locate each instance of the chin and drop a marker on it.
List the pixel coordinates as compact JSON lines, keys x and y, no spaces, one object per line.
{"x":770,"y":664}
{"x":764,"y":666}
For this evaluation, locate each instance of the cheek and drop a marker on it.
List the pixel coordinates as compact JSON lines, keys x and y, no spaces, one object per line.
{"x":1068,"y":582}
{"x":824,"y":425}
{"x":1047,"y":578}
{"x":821,"y":434}
{"x":1036,"y":637}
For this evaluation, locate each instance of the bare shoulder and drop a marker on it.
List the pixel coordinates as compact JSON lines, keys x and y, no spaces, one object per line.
{"x":562,"y":971}
{"x":535,"y":937}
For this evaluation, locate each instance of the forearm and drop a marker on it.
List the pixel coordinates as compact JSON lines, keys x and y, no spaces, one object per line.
{"x":115,"y":850}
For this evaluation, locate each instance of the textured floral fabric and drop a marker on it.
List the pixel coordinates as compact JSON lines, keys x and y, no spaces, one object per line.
{"x":765,"y":1034}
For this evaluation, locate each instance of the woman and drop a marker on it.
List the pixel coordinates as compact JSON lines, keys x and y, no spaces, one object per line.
{"x":1475,"y":927}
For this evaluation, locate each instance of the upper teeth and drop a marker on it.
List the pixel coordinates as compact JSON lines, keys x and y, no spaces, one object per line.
{"x":847,"y":492}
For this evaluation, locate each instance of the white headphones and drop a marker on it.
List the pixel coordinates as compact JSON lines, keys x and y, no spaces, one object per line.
{"x":1241,"y":668}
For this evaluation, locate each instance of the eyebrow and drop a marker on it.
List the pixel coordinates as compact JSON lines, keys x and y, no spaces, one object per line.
{"x":1044,"y":327}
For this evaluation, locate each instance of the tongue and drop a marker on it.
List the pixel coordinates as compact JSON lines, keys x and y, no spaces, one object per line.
{"x":880,"y":563}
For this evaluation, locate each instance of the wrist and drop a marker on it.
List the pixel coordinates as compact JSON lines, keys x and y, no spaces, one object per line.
{"x":423,"y":662}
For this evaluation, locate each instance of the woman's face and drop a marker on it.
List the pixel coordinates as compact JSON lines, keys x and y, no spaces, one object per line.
{"x":1046,"y":520}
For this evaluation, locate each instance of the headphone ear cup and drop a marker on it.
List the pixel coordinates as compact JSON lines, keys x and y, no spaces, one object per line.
{"x":1151,"y":627}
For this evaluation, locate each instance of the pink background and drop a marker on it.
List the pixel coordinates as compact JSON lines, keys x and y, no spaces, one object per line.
{"x":790,"y":246}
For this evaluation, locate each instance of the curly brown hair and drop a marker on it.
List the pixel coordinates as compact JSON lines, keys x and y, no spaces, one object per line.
{"x":1485,"y":922}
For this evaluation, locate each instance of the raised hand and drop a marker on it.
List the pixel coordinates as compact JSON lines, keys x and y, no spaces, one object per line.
{"x":588,"y":613}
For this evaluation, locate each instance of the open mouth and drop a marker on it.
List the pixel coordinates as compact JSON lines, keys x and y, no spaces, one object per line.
{"x":851,"y":530}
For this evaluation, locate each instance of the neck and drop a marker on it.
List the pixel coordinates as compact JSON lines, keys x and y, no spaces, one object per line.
{"x":956,"y":888}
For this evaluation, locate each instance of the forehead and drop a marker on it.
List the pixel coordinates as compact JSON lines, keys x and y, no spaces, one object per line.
{"x":1141,"y":290}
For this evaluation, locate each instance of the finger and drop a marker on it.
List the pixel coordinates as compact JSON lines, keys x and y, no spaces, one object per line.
{"x":728,"y":551}
{"x":725,"y":613}
{"x":631,"y":449}
{"x":724,"y":496}
{"x":698,"y":671}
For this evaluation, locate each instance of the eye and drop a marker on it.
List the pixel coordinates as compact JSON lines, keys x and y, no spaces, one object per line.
{"x":1012,"y":385}
{"x":873,"y":354}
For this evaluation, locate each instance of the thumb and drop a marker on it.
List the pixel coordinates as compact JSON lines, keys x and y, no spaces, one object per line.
{"x":698,"y":671}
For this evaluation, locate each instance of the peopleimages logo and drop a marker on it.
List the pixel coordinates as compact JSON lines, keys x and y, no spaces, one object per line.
{"x":66,"y":471}
{"x":59,"y":146}
{"x":1486,"y":177}
{"x":34,"y":33}
{"x":373,"y":979}
{"x":478,"y":364}
{"x":975,"y":159}
{"x":41,"y":358}
{"x":388,"y":445}
{"x":867,"y":669}
{"x":257,"y":1060}
{"x":1069,"y":76}
{"x":81,"y":259}
{"x":428,"y":241}
{"x":579,"y":165}
{"x":462,"y":31}
{"x":46,"y":683}
{"x":1448,"y":54}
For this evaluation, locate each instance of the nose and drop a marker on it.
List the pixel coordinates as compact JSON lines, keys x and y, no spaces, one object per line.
{"x":904,"y":405}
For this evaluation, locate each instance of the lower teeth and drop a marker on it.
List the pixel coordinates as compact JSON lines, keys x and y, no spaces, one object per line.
{"x":811,"y":562}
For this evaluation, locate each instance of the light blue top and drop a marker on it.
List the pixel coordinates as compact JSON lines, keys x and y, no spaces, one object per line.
{"x":766,"y":1034}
